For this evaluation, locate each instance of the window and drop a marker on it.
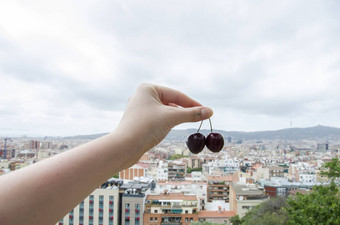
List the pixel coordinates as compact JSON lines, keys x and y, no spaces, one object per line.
{"x":111,"y":200}
{"x":151,"y":219}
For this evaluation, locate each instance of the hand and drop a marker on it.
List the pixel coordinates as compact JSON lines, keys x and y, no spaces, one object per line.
{"x":154,"y":110}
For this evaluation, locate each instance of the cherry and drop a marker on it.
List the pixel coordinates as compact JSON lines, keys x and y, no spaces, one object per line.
{"x":215,"y":142}
{"x":196,"y":142}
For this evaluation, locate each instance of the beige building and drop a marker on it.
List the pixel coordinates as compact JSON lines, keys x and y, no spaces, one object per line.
{"x":244,"y":197}
{"x":132,"y":209}
{"x":100,"y":207}
{"x":218,"y":188}
{"x":171,"y":208}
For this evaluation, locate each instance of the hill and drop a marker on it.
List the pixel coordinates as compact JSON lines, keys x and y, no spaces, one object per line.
{"x":319,"y":132}
{"x":311,"y":133}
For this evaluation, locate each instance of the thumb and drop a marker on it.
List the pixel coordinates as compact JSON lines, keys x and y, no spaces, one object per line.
{"x":193,"y":114}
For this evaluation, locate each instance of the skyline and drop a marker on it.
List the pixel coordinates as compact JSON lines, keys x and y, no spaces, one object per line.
{"x":68,"y":67}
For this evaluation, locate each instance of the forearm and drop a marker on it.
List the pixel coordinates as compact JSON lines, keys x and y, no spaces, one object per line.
{"x":44,"y":192}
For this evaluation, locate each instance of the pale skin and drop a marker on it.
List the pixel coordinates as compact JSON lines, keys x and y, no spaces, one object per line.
{"x":44,"y":192}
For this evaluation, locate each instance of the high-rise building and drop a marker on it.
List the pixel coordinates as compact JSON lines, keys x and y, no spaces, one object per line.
{"x":100,"y":207}
{"x":132,"y":197}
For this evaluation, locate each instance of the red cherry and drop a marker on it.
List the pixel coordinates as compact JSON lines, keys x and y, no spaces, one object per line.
{"x":196,"y":143}
{"x":214,"y":142}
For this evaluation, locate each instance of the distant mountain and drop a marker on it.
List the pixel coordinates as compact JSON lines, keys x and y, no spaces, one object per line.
{"x":88,"y":136}
{"x":312,"y":133}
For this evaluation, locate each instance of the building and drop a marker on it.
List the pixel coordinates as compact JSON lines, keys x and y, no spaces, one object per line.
{"x":194,"y":162}
{"x":132,"y":197}
{"x":132,"y":172}
{"x":274,"y":190}
{"x":218,"y":188}
{"x":323,"y":147}
{"x":220,"y":216}
{"x":100,"y":207}
{"x":176,"y":171}
{"x":276,"y":171}
{"x":244,"y":197}
{"x":307,"y":176}
{"x":162,"y":171}
{"x":171,"y":208}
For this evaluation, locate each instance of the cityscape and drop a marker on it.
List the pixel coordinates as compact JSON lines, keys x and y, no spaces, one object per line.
{"x":171,"y":186}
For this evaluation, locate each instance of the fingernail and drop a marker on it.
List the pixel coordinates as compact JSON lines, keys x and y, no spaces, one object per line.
{"x":206,"y":113}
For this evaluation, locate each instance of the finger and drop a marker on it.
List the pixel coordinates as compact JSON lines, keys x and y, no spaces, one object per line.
{"x":168,"y":95}
{"x":192,"y":114}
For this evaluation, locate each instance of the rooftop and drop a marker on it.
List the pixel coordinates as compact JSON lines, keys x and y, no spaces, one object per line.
{"x":220,"y":178}
{"x":216,"y":214}
{"x":246,"y":189}
{"x":172,"y":196}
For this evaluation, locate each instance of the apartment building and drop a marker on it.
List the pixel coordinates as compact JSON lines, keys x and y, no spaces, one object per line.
{"x":218,"y":188}
{"x":244,"y":197}
{"x":276,"y":171}
{"x":176,"y":171}
{"x":132,"y":197}
{"x":171,"y":208}
{"x":194,"y":162}
{"x":99,"y":208}
{"x":162,"y":171}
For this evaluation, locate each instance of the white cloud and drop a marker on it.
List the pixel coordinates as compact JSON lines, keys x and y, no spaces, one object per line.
{"x":258,"y":64}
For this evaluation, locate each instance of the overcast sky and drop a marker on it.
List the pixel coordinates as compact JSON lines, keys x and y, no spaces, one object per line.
{"x":69,"y":67}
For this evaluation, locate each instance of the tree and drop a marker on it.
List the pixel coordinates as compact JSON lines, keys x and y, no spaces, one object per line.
{"x":236,"y":220}
{"x":322,"y":205}
{"x":189,"y":170}
{"x":177,"y":156}
{"x":331,"y":169}
{"x":268,"y":213}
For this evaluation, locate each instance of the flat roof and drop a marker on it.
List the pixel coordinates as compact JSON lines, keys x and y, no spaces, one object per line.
{"x":244,"y":189}
{"x":172,"y":196}
{"x":216,"y":214}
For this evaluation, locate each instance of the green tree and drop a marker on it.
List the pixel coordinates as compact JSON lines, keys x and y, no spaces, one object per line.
{"x":331,"y":169}
{"x":270,"y":212}
{"x":177,"y":156}
{"x":322,"y":205}
{"x":197,"y":169}
{"x":236,"y":220}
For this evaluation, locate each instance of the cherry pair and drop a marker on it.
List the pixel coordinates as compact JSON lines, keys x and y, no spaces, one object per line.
{"x":197,"y":141}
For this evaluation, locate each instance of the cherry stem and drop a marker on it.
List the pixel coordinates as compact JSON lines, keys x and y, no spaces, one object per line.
{"x":201,"y":126}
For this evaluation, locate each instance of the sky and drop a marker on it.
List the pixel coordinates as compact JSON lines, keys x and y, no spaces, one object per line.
{"x":68,"y":67}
